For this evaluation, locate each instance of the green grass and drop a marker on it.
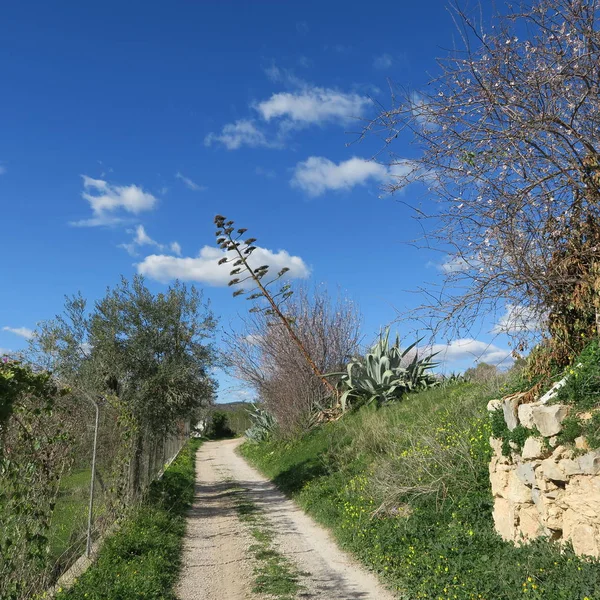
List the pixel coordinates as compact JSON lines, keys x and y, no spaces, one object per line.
{"x":141,"y":560}
{"x":405,"y":488}
{"x":69,"y":518}
{"x":275,"y":575}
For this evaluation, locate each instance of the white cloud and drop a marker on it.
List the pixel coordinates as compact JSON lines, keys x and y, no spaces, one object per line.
{"x":205,"y":268}
{"x":107,"y":200}
{"x":313,"y":105}
{"x":382,"y":62}
{"x":317,"y":174}
{"x":518,"y":318}
{"x":469,"y":349}
{"x":305,"y":105}
{"x":141,"y":238}
{"x":5,"y":352}
{"x":189,"y":183}
{"x":22,"y":331}
{"x":243,"y":132}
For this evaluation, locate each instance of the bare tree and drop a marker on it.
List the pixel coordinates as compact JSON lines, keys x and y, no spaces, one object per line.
{"x":509,"y":140}
{"x":265,"y":356}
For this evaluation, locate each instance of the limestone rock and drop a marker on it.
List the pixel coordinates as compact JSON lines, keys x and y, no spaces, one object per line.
{"x":525,"y":416}
{"x":496,"y":445}
{"x":552,"y":471}
{"x":493,"y":405}
{"x":499,"y":482}
{"x":553,"y":442}
{"x":533,"y":448}
{"x":517,"y":491}
{"x":569,"y":466}
{"x":509,"y":407}
{"x":581,"y":443}
{"x":543,"y":484}
{"x":530,"y":525}
{"x":525,"y":473}
{"x":582,"y":496}
{"x":590,"y":463}
{"x":548,"y":419}
{"x":504,"y":518}
{"x":559,"y":452}
{"x":585,"y":540}
{"x":554,"y":517}
{"x":583,"y":535}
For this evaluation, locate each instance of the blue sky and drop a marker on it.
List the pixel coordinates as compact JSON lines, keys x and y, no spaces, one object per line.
{"x":127,"y":126}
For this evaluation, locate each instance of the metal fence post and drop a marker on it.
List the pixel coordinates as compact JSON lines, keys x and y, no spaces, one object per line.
{"x":88,"y":548}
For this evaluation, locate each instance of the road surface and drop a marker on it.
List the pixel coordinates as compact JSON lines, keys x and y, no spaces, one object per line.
{"x":217,"y":563}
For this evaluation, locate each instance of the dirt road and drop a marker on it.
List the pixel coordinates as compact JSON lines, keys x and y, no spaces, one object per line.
{"x":217,"y":563}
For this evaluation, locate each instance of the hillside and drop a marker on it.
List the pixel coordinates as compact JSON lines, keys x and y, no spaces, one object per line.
{"x":405,"y":488}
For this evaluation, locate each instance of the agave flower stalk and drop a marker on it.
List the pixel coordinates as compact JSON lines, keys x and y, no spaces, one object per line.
{"x":231,"y":241}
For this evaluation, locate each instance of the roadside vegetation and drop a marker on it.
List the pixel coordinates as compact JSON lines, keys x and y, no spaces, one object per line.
{"x":405,"y":488}
{"x":135,"y":368}
{"x":142,"y":559}
{"x":228,"y":420}
{"x":395,"y":460}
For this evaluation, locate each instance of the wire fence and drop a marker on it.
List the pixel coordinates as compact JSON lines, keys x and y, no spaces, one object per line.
{"x":47,"y":489}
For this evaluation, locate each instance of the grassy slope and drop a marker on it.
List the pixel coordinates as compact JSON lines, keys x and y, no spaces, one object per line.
{"x":142,"y":559}
{"x":438,"y":545}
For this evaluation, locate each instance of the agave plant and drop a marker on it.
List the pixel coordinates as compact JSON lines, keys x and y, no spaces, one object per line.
{"x":263,"y":424}
{"x":385,"y":374}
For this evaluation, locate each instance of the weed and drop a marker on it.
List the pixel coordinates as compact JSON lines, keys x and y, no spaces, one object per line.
{"x":583,"y":381}
{"x":141,"y":560}
{"x":426,"y":548}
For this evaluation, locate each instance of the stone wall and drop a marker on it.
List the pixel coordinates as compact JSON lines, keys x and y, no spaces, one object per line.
{"x":545,"y":489}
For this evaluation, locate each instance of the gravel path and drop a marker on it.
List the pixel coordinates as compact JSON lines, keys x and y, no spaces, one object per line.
{"x":216,"y":562}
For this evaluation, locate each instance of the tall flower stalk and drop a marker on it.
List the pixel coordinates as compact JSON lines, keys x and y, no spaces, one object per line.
{"x":239,"y":252}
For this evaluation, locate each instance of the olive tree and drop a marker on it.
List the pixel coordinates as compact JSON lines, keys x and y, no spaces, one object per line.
{"x":508,"y":143}
{"x":150,"y":355}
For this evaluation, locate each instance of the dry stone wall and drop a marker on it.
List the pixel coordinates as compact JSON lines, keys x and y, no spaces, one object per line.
{"x":545,"y":489}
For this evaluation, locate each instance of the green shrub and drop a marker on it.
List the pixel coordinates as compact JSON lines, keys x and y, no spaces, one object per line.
{"x":571,"y":428}
{"x":438,"y":544}
{"x":141,"y":560}
{"x":582,"y":387}
{"x":218,"y":427}
{"x":592,"y":431}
